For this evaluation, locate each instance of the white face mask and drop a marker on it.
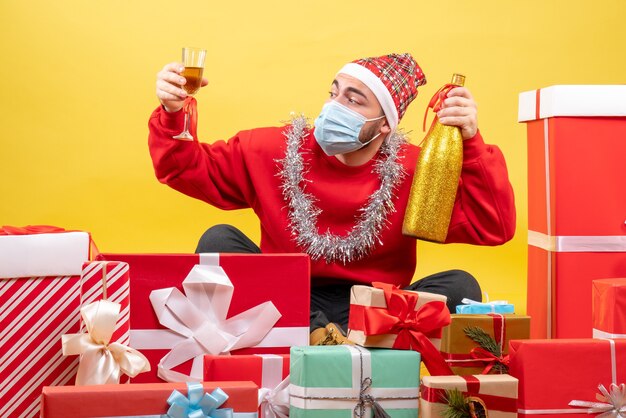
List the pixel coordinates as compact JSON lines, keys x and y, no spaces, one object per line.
{"x":337,"y":129}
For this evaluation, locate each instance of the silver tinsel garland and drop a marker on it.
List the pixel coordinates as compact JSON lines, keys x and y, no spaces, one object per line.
{"x":303,"y":213}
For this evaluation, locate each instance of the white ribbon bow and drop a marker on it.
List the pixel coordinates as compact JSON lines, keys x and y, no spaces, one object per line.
{"x":275,"y":402}
{"x":102,"y":362}
{"x":611,"y":404}
{"x":200,"y":318}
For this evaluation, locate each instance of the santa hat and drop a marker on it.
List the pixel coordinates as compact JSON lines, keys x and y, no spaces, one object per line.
{"x":393,"y":79}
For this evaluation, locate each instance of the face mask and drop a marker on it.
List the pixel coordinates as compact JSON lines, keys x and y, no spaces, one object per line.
{"x":337,"y":129}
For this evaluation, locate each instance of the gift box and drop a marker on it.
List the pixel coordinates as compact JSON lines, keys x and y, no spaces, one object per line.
{"x":268,"y":371}
{"x":148,"y":399}
{"x":387,"y":317}
{"x":36,"y":312}
{"x":339,"y":381}
{"x":560,"y":284}
{"x":609,"y":308}
{"x":483,"y":308}
{"x":282,"y":279}
{"x":553,"y":373}
{"x":497,"y":394}
{"x":461,"y":342}
{"x":38,"y":250}
{"x":265,"y":370}
{"x":576,"y":200}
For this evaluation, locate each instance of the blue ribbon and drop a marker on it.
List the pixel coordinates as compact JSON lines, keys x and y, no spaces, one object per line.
{"x":198,"y":403}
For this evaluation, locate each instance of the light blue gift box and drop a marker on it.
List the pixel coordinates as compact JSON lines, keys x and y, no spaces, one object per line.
{"x":473,"y":307}
{"x":326,"y":381}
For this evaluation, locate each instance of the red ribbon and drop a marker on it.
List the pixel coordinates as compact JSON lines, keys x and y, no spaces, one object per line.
{"x":499,"y":328}
{"x":190,"y":106}
{"x":30,"y":230}
{"x":437,"y":100}
{"x":480,"y":354}
{"x":493,"y":403}
{"x":412,"y":327}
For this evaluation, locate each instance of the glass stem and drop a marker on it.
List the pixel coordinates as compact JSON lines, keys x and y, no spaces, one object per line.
{"x":186,"y":122}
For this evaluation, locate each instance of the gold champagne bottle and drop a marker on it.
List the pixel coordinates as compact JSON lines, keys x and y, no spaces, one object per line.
{"x":436,"y":179}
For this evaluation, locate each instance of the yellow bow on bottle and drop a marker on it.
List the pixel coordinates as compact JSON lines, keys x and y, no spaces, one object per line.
{"x":101,"y":361}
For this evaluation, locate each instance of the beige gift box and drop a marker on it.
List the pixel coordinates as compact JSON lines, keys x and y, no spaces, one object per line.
{"x":497,"y":391}
{"x":368,"y":296}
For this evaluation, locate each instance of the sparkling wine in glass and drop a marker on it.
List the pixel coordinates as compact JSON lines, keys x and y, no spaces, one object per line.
{"x":193,"y":60}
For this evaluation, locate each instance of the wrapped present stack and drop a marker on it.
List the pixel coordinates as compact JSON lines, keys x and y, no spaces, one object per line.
{"x":227,"y":335}
{"x":470,"y":345}
{"x":576,"y":201}
{"x":40,"y":271}
{"x":67,"y":321}
{"x":477,"y":342}
{"x":576,"y":254}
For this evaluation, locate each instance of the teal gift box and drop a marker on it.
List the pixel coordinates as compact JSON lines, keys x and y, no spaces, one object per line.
{"x":343,"y":381}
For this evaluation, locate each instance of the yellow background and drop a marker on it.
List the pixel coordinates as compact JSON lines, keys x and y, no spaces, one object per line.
{"x":77,"y":82}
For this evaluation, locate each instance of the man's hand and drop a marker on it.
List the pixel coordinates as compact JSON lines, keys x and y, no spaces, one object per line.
{"x":459,"y":109}
{"x":168,"y":89}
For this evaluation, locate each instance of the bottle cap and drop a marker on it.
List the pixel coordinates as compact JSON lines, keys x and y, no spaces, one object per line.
{"x":458,"y":79}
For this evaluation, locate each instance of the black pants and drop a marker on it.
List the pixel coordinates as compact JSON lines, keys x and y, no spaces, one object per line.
{"x":332,"y":303}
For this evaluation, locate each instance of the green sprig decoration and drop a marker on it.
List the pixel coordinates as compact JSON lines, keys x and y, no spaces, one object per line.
{"x":458,"y":406}
{"x":487,"y":342}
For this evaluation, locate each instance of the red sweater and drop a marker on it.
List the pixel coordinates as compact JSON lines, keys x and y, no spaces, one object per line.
{"x":242,"y":173}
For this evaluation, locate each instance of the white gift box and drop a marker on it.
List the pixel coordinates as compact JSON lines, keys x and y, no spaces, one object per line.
{"x":56,"y":254}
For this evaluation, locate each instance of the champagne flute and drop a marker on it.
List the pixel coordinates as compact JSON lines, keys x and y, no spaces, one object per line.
{"x":193,"y":60}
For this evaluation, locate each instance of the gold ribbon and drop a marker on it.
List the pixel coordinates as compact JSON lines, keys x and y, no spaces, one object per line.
{"x":612,"y":404}
{"x":101,"y":361}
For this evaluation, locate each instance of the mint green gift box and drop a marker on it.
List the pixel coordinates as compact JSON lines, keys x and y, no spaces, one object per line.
{"x":326,"y":381}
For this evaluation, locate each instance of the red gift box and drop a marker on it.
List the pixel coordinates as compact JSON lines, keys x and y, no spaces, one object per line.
{"x":560,"y":282}
{"x":36,"y":311}
{"x":265,"y":370}
{"x":609,"y":308}
{"x":283,"y":279}
{"x":136,"y":399}
{"x":553,"y":373}
{"x":576,"y":200}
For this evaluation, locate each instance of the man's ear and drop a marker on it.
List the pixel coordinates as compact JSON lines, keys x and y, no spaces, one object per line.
{"x":385,"y":128}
